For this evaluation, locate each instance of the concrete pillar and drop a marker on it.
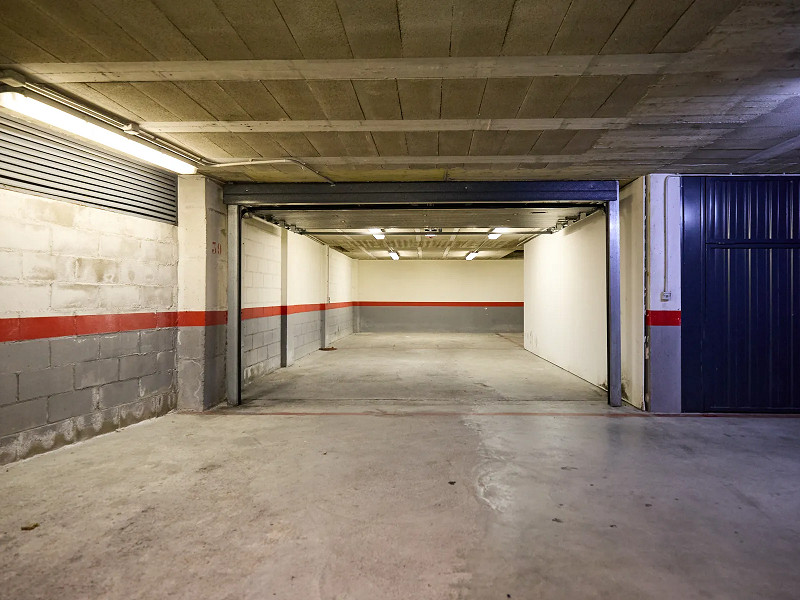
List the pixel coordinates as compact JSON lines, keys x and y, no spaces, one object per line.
{"x":287,"y":347}
{"x":664,"y":240}
{"x":202,"y":293}
{"x":323,"y":321}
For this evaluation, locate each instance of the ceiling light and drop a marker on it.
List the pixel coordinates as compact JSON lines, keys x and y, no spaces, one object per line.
{"x":394,"y":255}
{"x":81,"y":127}
{"x":472,"y":255}
{"x":497,"y":232}
{"x":377,"y":233}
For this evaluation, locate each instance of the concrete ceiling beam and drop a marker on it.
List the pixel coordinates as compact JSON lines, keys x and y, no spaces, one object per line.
{"x":406,"y":68}
{"x":435,"y":125}
{"x":605,"y":157}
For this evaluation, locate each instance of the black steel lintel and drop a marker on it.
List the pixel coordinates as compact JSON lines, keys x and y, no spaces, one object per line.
{"x":484,"y":193}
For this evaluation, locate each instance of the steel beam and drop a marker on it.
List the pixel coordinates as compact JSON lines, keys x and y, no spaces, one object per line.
{"x":460,"y":193}
{"x":233,"y":370}
{"x":614,"y":333}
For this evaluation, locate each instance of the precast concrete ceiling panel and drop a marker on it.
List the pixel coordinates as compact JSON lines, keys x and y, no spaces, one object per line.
{"x":263,"y":30}
{"x":498,"y":89}
{"x":316,"y":26}
{"x":425,"y":27}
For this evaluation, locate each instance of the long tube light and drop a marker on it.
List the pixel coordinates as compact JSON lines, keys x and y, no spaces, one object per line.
{"x":498,"y":231}
{"x":377,"y":233}
{"x":394,"y":255}
{"x":60,"y":119}
{"x":472,"y":255}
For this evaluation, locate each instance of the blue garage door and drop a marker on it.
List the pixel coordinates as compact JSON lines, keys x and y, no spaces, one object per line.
{"x":741,"y":312}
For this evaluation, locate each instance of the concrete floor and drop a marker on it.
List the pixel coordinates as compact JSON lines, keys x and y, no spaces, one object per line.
{"x":405,"y":501}
{"x":463,"y":371}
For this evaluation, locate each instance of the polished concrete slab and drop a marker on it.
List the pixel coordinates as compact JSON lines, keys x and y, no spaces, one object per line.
{"x":449,"y":490}
{"x":410,"y":506}
{"x":459,"y":371}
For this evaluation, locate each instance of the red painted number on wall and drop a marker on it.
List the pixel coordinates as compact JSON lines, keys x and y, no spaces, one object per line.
{"x":216,"y":248}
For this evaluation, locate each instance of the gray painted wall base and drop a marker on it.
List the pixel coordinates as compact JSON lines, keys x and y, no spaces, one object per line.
{"x":304,"y":335}
{"x":201,"y":366}
{"x":441,"y":319}
{"x":663,"y":369}
{"x":48,"y":437}
{"x":339,"y":323}
{"x":261,"y":338}
{"x":261,"y":347}
{"x":53,"y":390}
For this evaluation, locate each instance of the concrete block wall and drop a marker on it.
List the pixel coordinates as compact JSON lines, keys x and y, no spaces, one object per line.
{"x":339,"y":322}
{"x":261,"y":346}
{"x":202,"y":293}
{"x":479,"y":296}
{"x":297,"y":296}
{"x":307,"y":283}
{"x":59,"y":390}
{"x":87,"y":321}
{"x":261,"y":298}
{"x":60,"y":258}
{"x":341,"y":309}
{"x":305,"y":334}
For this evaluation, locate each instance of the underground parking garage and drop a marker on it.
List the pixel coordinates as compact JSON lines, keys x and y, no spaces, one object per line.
{"x":395,"y":300}
{"x":365,"y":259}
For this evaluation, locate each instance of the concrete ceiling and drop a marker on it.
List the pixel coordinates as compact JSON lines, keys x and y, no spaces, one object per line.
{"x":367,"y":90}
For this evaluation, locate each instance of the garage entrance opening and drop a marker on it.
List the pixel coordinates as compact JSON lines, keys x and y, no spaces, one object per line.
{"x":420,"y":288}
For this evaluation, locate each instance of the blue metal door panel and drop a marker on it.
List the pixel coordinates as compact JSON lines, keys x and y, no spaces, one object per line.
{"x":741,"y":270}
{"x":751,"y":327}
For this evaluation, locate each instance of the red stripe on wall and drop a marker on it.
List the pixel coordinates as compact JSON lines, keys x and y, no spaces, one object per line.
{"x":260,"y":312}
{"x":450,"y":304}
{"x":663,"y":318}
{"x":202,"y":318}
{"x":334,"y":305}
{"x":293,"y":309}
{"x":33,"y":328}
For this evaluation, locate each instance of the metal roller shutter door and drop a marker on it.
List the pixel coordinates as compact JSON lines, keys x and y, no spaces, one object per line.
{"x":42,"y":162}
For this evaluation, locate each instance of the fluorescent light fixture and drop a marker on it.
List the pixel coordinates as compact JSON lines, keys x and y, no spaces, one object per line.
{"x":377,"y":233}
{"x":394,"y":255}
{"x":498,"y":231}
{"x":472,"y":255}
{"x":60,"y":119}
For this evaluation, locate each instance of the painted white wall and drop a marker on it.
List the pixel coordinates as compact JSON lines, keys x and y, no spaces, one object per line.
{"x":314,"y":271}
{"x":663,"y":356}
{"x":440,"y":281}
{"x":58,"y":258}
{"x":660,"y":245}
{"x":632,"y":301}
{"x":341,"y":277}
{"x":565,"y":298}
{"x":355,"y":270}
{"x":261,"y":264}
{"x":307,"y":270}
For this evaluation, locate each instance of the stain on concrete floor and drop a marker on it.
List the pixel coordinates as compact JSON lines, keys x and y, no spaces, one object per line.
{"x":427,"y":496}
{"x":252,"y":506}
